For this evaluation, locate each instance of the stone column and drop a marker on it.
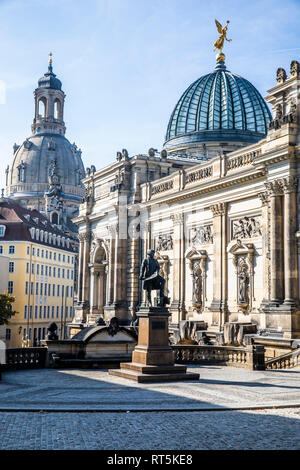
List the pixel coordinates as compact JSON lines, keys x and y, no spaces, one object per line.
{"x":290,"y":245}
{"x":100,"y":300}
{"x":177,"y":305}
{"x":219,"y":303}
{"x":276,"y":241}
{"x":111,"y":267}
{"x":80,"y":267}
{"x":85,"y":269}
{"x":263,"y":196}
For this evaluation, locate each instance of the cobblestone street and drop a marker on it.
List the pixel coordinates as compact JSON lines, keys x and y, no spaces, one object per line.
{"x":88,"y":409}
{"x":270,"y":429}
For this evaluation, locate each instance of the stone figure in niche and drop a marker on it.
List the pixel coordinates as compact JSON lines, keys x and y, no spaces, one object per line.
{"x":197,"y":284}
{"x":149,"y":274}
{"x":243,"y":286}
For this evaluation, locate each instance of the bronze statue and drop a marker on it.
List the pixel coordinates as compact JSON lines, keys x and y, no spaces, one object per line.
{"x":219,"y":44}
{"x":152,"y":280}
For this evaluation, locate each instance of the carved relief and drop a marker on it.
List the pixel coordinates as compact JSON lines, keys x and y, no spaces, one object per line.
{"x":201,"y":235}
{"x":247,"y":227}
{"x":164,"y":242}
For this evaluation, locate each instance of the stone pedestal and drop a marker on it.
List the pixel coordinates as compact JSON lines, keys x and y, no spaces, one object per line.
{"x":153,"y":357}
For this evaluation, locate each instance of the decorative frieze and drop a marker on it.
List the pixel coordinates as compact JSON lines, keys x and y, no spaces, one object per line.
{"x":201,"y":235}
{"x":199,"y":174}
{"x":163,"y":242}
{"x":241,"y":160}
{"x":160,"y":188}
{"x":246,"y":227}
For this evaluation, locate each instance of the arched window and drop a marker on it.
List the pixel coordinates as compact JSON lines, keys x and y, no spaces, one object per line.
{"x":57,"y":109}
{"x":42,"y":107}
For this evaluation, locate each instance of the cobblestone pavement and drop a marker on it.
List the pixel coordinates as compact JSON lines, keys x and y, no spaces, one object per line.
{"x":269,"y":429}
{"x":218,"y":387}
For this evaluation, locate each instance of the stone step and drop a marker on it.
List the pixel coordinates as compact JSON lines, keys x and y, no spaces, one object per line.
{"x":143,"y":378}
{"x":153,"y":369}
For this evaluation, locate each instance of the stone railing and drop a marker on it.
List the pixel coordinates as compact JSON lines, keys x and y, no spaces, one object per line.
{"x":241,"y":160}
{"x":286,"y":361}
{"x":249,"y":357}
{"x":25,"y":358}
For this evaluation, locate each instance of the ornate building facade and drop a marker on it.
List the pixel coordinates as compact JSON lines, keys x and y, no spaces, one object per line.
{"x":219,"y":206}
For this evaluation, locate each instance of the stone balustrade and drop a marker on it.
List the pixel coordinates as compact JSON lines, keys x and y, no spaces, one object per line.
{"x":25,"y":358}
{"x":249,"y":357}
{"x":241,"y":160}
{"x":285,"y":361}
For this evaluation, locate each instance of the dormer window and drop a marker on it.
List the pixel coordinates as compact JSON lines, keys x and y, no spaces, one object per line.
{"x":27,"y":217}
{"x":32,"y":232}
{"x":2,"y":230}
{"x":42,"y":235}
{"x":21,"y":172}
{"x":37,"y":234}
{"x":36,"y":220}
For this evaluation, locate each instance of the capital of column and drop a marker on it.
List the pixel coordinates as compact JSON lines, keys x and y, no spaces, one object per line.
{"x":289,"y":184}
{"x":219,"y":209}
{"x":177,"y":218}
{"x":83,"y":237}
{"x":274,"y":188}
{"x":264,"y":197}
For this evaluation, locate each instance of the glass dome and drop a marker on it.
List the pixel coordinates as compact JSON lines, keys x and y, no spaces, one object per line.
{"x":219,"y":106}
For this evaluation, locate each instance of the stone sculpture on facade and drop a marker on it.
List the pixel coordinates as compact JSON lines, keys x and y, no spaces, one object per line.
{"x":197,"y":286}
{"x":247,"y":227}
{"x":201,"y":235}
{"x":164,"y":242}
{"x":152,"y":280}
{"x":243,"y":281}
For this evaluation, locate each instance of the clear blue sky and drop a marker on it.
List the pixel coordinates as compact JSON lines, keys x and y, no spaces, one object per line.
{"x":125,"y":63}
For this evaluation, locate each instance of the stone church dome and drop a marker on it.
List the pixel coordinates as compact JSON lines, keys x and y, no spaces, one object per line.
{"x":218,"y":107}
{"x":46,"y":169}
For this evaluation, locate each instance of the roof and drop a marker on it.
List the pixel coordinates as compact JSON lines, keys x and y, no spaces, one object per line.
{"x":19,"y":220}
{"x":219,"y":106}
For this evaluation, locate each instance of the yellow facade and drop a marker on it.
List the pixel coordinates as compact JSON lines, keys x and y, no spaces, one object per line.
{"x":41,"y":278}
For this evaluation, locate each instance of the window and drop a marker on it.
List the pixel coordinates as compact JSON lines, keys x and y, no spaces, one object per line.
{"x":72,"y":259}
{"x":57,"y":312}
{"x":68,"y":259}
{"x":58,"y":256}
{"x":1,"y":249}
{"x":27,"y":268}
{"x":11,"y":267}
{"x":49,"y":290}
{"x":33,"y":251}
{"x":46,"y":252}
{"x":45,"y":311}
{"x":71,"y":312}
{"x":45,"y":290}
{"x":38,"y":269}
{"x":50,"y":255}
{"x":54,"y":256}
{"x":72,"y":275}
{"x":35,"y":312}
{"x":63,"y":273}
{"x":52,"y":311}
{"x":38,"y":252}
{"x":40,"y":311}
{"x":41,"y":289}
{"x":28,"y":250}
{"x":58,"y":272}
{"x":36,"y":288}
{"x":54,"y":272}
{"x":42,"y":253}
{"x":67,"y":291}
{"x":25,"y":311}
{"x":42,"y":269}
{"x":53,"y":290}
{"x":30,"y":312}
{"x":48,"y":311}
{"x":66,"y":312}
{"x":71,"y":290}
{"x":2,"y":230}
{"x":8,"y":334}
{"x":32,"y":269}
{"x":11,"y":249}
{"x":11,"y":287}
{"x":24,"y":334}
{"x":64,"y":257}
{"x":46,"y":270}
{"x":49,"y":271}
{"x":31,"y":288}
{"x":26,"y":288}
{"x":30,"y":333}
{"x":58,"y":287}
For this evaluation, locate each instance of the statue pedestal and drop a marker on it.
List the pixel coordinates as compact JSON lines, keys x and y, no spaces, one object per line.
{"x":153,"y":357}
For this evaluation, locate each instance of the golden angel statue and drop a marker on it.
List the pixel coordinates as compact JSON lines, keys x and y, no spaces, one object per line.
{"x":219,"y":44}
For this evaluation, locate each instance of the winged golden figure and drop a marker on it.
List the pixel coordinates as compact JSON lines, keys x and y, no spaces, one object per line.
{"x":219,"y":44}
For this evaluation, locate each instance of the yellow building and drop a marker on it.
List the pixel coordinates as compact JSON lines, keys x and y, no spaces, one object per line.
{"x":41,"y":274}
